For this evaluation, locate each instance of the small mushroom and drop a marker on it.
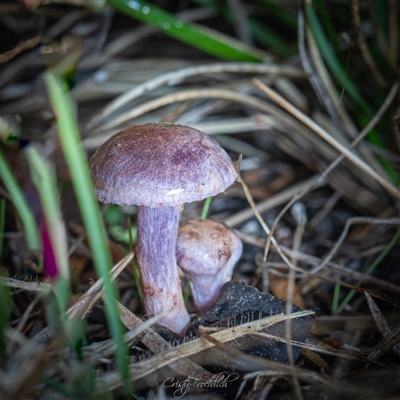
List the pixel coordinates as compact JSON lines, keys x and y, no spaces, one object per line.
{"x":207,"y":251}
{"x":159,"y":167}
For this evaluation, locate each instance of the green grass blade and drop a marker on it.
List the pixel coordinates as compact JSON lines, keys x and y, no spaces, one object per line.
{"x":348,"y":84}
{"x":335,"y":300}
{"x":265,"y":36}
{"x":136,"y":272}
{"x":369,"y":271}
{"x":20,"y":203}
{"x":208,"y":40}
{"x":333,"y":63}
{"x":288,"y":19}
{"x":43,"y":177}
{"x":380,"y":10}
{"x":327,"y":22}
{"x":2,"y":223}
{"x":59,"y":387}
{"x":136,"y":275}
{"x":206,"y":207}
{"x":270,"y":39}
{"x":79,"y":170}
{"x":131,"y":239}
{"x":375,"y":138}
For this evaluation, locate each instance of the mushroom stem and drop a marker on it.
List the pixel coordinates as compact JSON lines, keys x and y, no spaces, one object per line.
{"x":161,"y":286}
{"x":206,"y":288}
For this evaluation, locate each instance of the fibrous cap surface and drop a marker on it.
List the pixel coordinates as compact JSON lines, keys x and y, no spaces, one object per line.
{"x":158,"y":165}
{"x":204,"y":246}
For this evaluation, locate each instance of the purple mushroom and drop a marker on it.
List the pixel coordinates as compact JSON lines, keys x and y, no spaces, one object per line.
{"x":207,"y":250}
{"x":159,"y":167}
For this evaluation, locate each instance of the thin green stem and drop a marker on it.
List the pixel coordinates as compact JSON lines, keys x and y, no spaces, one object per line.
{"x":206,"y":207}
{"x":335,"y":300}
{"x":208,"y":40}
{"x":43,"y":176}
{"x":79,"y":170}
{"x":333,"y":63}
{"x":22,"y":206}
{"x":2,"y":223}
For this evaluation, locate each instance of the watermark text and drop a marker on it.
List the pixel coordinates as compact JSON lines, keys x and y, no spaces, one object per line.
{"x":218,"y":381}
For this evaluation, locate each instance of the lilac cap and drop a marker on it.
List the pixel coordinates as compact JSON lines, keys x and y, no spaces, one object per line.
{"x":205,"y":246}
{"x":159,"y":164}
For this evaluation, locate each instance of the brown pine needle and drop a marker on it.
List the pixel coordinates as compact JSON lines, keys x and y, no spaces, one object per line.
{"x":327,"y":137}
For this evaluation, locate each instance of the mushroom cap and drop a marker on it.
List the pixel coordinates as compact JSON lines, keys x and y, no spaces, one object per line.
{"x":159,"y":165}
{"x":205,"y":246}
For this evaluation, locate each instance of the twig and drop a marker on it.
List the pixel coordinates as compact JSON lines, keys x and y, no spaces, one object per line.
{"x":88,"y":299}
{"x":341,"y":111}
{"x":275,"y":200}
{"x":380,"y":321}
{"x":319,"y":349}
{"x":386,"y":344}
{"x":156,"y":344}
{"x":349,"y":222}
{"x":325,"y":209}
{"x":328,"y":138}
{"x":26,"y":285}
{"x":298,"y":212}
{"x":185,"y":95}
{"x":363,"y":133}
{"x":308,"y":68}
{"x":178,"y":76}
{"x":312,"y":260}
{"x":219,"y":127}
{"x":311,"y":377}
{"x":143,"y":368}
{"x":258,"y":215}
{"x":108,"y":348}
{"x":385,"y":105}
{"x":19,"y":48}
{"x":287,"y":261}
